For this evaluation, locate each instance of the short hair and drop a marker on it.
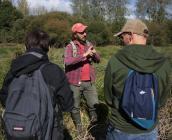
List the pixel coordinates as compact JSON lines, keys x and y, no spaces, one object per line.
{"x":37,"y":39}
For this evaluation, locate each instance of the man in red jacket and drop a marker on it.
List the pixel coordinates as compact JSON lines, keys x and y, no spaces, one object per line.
{"x":79,"y":57}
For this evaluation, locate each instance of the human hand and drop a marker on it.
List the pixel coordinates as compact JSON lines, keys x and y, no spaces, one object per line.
{"x":93,"y":50}
{"x":89,"y":52}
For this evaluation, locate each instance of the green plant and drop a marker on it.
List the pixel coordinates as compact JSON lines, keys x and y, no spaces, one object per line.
{"x":9,"y":52}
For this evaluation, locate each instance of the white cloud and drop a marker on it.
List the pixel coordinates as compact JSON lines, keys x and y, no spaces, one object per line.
{"x":131,"y":9}
{"x":58,"y":5}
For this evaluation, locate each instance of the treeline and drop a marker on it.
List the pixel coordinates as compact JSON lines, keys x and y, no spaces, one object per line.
{"x":104,"y":18}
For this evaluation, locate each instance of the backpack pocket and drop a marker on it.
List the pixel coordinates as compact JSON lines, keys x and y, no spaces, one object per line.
{"x":20,"y":126}
{"x":144,"y":102}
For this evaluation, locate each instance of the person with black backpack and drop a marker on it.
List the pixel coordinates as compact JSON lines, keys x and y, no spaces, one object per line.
{"x":35,"y":92}
{"x":136,"y":85}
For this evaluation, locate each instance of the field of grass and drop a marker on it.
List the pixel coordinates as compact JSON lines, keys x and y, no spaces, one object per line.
{"x":8,"y":52}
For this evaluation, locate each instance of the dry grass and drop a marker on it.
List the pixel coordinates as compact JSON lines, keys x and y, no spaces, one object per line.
{"x":165,"y":121}
{"x":165,"y":115}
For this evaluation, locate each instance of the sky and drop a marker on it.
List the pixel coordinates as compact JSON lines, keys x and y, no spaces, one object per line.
{"x":64,"y":5}
{"x":60,"y":5}
{"x":49,"y":5}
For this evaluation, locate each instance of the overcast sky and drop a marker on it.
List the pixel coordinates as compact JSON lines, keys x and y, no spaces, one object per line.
{"x":60,"y":5}
{"x":64,"y":5}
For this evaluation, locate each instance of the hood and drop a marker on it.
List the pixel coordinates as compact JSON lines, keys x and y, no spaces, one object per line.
{"x":141,"y":58}
{"x":27,"y":63}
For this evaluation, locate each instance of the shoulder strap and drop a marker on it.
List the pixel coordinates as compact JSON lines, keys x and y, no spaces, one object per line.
{"x":43,"y":65}
{"x":74,"y":49}
{"x":35,"y":54}
{"x":88,"y":43}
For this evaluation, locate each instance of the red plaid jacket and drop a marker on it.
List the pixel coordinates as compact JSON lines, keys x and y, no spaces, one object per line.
{"x":73,"y":65}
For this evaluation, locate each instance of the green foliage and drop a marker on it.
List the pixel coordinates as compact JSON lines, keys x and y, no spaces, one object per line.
{"x":8,"y":15}
{"x":19,"y":29}
{"x":157,"y":36}
{"x":169,"y":30}
{"x":58,"y":27}
{"x":23,"y":7}
{"x":98,"y":33}
{"x":154,"y":10}
{"x":104,"y":19}
{"x":100,"y":10}
{"x":9,"y":51}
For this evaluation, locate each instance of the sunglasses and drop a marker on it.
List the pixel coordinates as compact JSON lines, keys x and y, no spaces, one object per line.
{"x":81,"y":32}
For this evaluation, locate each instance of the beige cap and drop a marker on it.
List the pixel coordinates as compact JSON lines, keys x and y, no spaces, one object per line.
{"x":134,"y":26}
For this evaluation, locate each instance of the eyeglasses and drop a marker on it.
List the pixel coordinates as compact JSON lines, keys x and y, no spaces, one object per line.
{"x":124,"y":34}
{"x":81,"y":32}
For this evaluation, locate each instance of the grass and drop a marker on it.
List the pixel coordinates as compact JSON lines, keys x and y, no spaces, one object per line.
{"x":9,"y":52}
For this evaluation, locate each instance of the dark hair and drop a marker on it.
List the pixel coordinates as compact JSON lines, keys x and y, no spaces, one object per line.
{"x":37,"y":39}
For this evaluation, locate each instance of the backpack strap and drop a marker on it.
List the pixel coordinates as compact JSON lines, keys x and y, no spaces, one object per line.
{"x":35,"y":54}
{"x":116,"y":100}
{"x":43,"y":65}
{"x":88,"y":43}
{"x":129,"y":72}
{"x":74,"y":49}
{"x":51,"y":89}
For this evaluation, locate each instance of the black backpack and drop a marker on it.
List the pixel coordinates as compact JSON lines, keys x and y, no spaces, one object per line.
{"x":29,"y":112}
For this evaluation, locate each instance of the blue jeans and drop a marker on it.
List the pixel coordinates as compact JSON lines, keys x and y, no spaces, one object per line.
{"x":115,"y":134}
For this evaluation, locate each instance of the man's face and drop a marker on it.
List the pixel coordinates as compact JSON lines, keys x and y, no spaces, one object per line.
{"x":81,"y":36}
{"x":126,"y":38}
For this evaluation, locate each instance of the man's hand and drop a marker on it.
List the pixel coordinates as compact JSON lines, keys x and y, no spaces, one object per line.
{"x":89,"y":52}
{"x":93,"y":50}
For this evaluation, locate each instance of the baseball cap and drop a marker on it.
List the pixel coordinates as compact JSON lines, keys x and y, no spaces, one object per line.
{"x":135,"y":26}
{"x":78,"y":27}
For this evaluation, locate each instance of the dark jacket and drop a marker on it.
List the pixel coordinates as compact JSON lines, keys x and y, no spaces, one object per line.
{"x":140,"y":58}
{"x":52,"y":74}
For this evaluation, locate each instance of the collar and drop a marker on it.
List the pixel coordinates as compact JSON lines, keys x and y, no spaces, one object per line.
{"x":76,"y":42}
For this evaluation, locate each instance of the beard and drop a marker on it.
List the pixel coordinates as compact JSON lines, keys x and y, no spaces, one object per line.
{"x":81,"y":40}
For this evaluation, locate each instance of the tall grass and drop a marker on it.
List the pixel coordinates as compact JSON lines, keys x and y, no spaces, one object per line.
{"x":7,"y":53}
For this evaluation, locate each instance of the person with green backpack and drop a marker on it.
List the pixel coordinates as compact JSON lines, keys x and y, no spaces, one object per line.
{"x":78,"y":59}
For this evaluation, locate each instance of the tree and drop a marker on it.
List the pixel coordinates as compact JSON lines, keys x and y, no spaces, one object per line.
{"x":116,"y":10}
{"x":97,"y":9}
{"x":23,"y":7}
{"x":157,"y":37}
{"x":8,"y":15}
{"x":89,"y":9}
{"x":154,"y":10}
{"x":81,"y":9}
{"x":169,"y":33}
{"x":100,"y":9}
{"x":98,"y":33}
{"x":41,"y":10}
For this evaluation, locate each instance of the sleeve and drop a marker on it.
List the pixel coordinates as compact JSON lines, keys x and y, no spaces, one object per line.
{"x":68,"y":57}
{"x":4,"y":89}
{"x":55,"y":77}
{"x":64,"y":94}
{"x":108,"y":85}
{"x":165,"y":84}
{"x":96,"y":58}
